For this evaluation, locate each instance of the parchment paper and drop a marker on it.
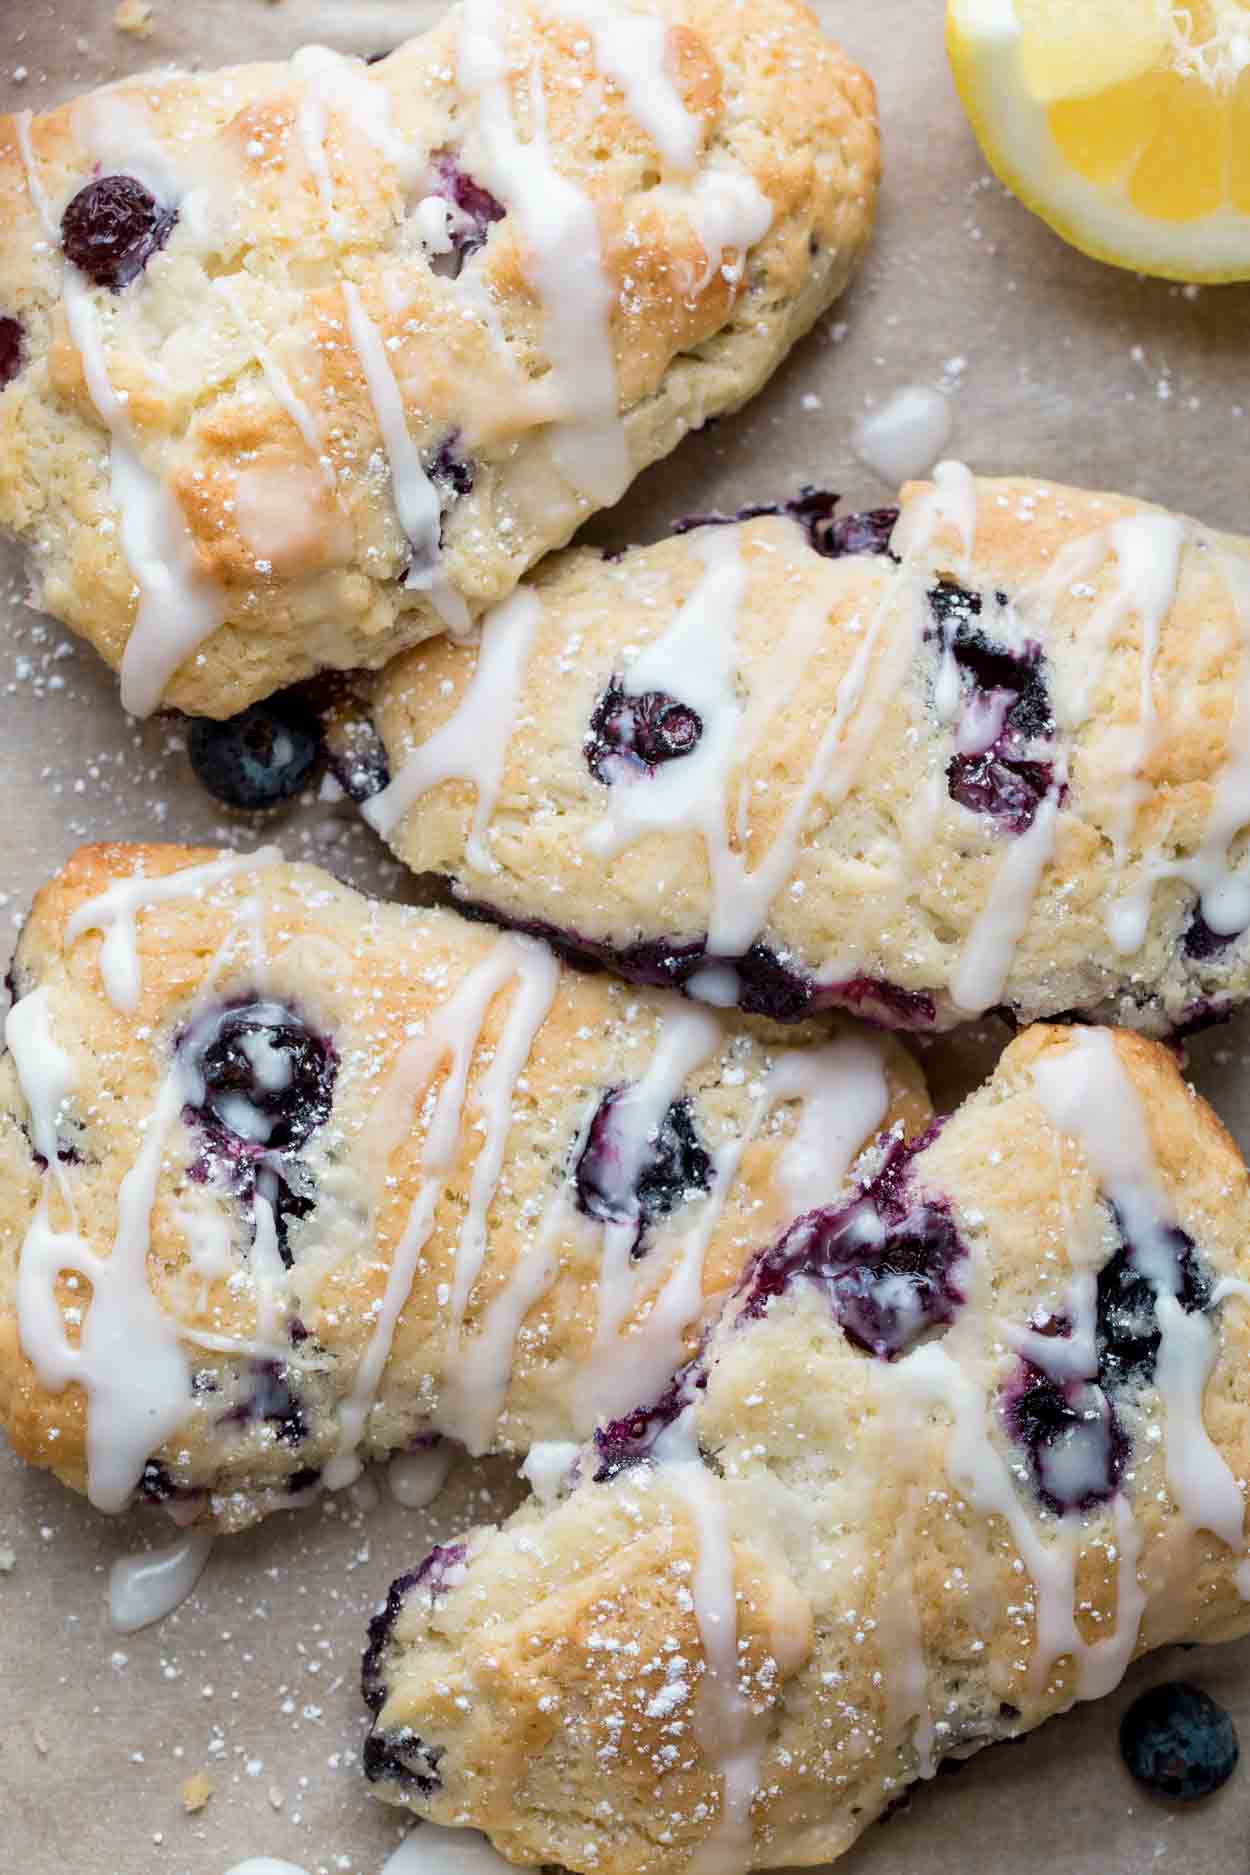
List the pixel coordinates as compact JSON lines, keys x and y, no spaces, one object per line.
{"x":1056,"y":367}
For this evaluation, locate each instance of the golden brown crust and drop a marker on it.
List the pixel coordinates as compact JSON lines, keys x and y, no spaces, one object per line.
{"x":372,"y":981}
{"x":248,"y":294}
{"x":892,"y":1555}
{"x":890,"y":878}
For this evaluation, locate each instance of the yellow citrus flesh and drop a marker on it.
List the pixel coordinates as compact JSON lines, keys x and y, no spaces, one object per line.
{"x":1124,"y":123}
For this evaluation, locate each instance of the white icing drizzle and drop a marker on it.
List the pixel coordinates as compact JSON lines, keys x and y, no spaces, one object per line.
{"x":178,"y":606}
{"x":729,"y":210}
{"x":1086,"y":1094}
{"x":147,"y":1587}
{"x":416,"y":1478}
{"x":633,"y":49}
{"x":333,"y":82}
{"x":265,"y":1865}
{"x":279,"y":383}
{"x":548,"y":1466}
{"x":44,"y":1069}
{"x":731,"y":1736}
{"x":472,"y":744}
{"x":416,"y":499}
{"x":115,"y":912}
{"x":980,"y":977}
{"x":38,"y":194}
{"x":950,"y":500}
{"x":929,"y":1377}
{"x":560,"y":228}
{"x":450,"y":1039}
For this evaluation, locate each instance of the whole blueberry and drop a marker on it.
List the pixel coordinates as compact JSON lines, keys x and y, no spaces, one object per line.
{"x":12,"y":348}
{"x":1178,"y":1742}
{"x":258,"y":1075}
{"x":112,"y":228}
{"x":260,"y":757}
{"x":643,"y":731}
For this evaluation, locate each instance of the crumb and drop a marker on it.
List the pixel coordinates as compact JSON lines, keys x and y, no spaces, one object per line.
{"x":134,"y":17}
{"x":41,"y":1743}
{"x":196,"y":1792}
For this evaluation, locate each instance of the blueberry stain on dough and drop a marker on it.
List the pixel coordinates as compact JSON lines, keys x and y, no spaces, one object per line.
{"x":399,"y":1755}
{"x":1177,"y":1741}
{"x":12,"y":348}
{"x":450,"y":470}
{"x":889,"y":1262}
{"x":638,"y":734}
{"x":111,"y":229}
{"x":261,"y":757}
{"x":622,"y":1443}
{"x":259,"y":1075}
{"x":673,"y":1167}
{"x":885,"y":1005}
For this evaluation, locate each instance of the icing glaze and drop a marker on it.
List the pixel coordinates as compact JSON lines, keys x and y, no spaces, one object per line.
{"x":147,"y":1587}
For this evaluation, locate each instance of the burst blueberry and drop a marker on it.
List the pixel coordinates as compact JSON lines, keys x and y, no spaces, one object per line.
{"x":1128,"y":1333}
{"x":889,"y":1261}
{"x":258,"y":1075}
{"x":623,"y":1443}
{"x":261,"y":757}
{"x":111,"y":229}
{"x":640,"y":732}
{"x":478,"y":208}
{"x":431,"y":1576}
{"x":1179,"y":1742}
{"x":673,"y":1166}
{"x":1075,"y":1446}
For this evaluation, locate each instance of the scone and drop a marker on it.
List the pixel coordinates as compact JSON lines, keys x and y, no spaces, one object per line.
{"x":290,"y":1179}
{"x":302,"y":362}
{"x":958,"y":1451}
{"x":990,"y":754}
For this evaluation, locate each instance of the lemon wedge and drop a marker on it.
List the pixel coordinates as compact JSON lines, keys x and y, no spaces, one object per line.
{"x":1125,"y":124}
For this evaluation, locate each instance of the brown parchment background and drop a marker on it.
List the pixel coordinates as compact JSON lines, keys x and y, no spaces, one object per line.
{"x":1056,"y":367}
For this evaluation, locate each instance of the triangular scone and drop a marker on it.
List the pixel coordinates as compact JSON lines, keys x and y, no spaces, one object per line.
{"x":302,"y":362}
{"x":990,"y":753}
{"x":292,"y":1179}
{"x":957,"y":1452}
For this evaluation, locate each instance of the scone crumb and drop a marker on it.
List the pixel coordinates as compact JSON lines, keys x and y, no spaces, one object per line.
{"x":40,"y":1743}
{"x":134,"y":17}
{"x":196,"y":1792}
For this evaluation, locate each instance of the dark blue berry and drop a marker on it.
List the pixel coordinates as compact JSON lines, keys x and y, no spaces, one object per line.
{"x":272,"y":1399}
{"x":642,"y":732}
{"x":1127,"y":1329}
{"x":674,"y":1167}
{"x":452,"y":471}
{"x":263,"y":756}
{"x":12,"y":348}
{"x":401,"y":1757}
{"x":479,"y":207}
{"x":814,"y":511}
{"x":430,"y":1575}
{"x":112,"y":228}
{"x":888,"y":1261}
{"x":1178,"y":1742}
{"x":1201,"y":942}
{"x":1009,"y":791}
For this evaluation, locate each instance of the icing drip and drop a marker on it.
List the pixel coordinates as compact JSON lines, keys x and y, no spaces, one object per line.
{"x":730,"y":1734}
{"x":633,"y":49}
{"x":980,"y":977}
{"x":729,"y":210}
{"x":951,"y":501}
{"x":416,"y":499}
{"x":332,"y":82}
{"x":146,"y":1588}
{"x":473,"y":744}
{"x":283,"y":390}
{"x":450,"y":1041}
{"x":178,"y":607}
{"x":115,"y":913}
{"x":416,"y":1478}
{"x":433,"y":1850}
{"x":904,"y":437}
{"x":560,"y":228}
{"x":1087,"y":1095}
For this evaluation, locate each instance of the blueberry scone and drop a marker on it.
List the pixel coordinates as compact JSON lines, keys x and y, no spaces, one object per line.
{"x":302,"y":362}
{"x":291,"y":1179}
{"x":959,"y":1449}
{"x":986,"y":753}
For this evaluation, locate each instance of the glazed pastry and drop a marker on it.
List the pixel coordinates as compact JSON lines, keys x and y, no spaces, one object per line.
{"x":292,"y":1179}
{"x":990,"y":754}
{"x":302,"y":362}
{"x":958,"y":1450}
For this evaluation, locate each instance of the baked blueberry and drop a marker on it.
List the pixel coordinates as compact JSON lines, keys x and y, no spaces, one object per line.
{"x":884,"y":1005}
{"x":673,"y":1167}
{"x":450,"y":470}
{"x":1010,"y":792}
{"x":263,"y":756}
{"x":400,"y":1757}
{"x":1201,"y":942}
{"x":112,"y":228}
{"x":431,"y":1575}
{"x":815,"y":511}
{"x":12,"y":348}
{"x":257,"y":1076}
{"x":1075,"y":1446}
{"x":272,"y":1399}
{"x":479,"y":209}
{"x":888,"y":1261}
{"x":1127,"y":1327}
{"x":1179,"y":1742}
{"x":639,"y":732}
